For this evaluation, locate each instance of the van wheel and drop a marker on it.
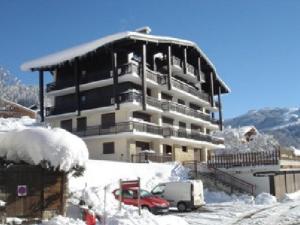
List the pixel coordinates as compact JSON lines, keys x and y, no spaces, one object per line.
{"x":181,"y":206}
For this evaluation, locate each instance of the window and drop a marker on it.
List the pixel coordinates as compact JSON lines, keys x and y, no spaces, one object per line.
{"x":109,"y":148}
{"x":159,"y":189}
{"x":167,"y":120}
{"x":81,"y":124}
{"x":142,"y":116}
{"x":166,"y":96}
{"x":184,"y":148}
{"x":180,"y":101}
{"x":140,"y":146}
{"x":108,"y":120}
{"x":83,"y":98}
{"x":182,"y":125}
{"x":66,"y":124}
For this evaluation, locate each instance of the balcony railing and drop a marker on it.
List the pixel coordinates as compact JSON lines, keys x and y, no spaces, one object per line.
{"x":146,"y":157}
{"x":189,"y":89}
{"x":167,"y":106}
{"x":182,"y":133}
{"x":122,"y":127}
{"x":96,"y":76}
{"x":134,"y":96}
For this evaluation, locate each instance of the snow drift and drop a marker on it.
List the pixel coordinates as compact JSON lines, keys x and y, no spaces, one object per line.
{"x":58,"y":147}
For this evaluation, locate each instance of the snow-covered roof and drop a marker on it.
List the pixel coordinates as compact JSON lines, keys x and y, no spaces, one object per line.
{"x":21,"y":140}
{"x":245,"y":129}
{"x":2,"y":100}
{"x":81,"y":50}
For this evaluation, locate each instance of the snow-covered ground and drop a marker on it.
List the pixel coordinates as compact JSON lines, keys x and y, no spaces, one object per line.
{"x":99,"y":175}
{"x":221,"y":208}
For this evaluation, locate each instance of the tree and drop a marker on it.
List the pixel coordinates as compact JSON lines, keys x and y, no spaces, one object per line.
{"x":12,"y":89}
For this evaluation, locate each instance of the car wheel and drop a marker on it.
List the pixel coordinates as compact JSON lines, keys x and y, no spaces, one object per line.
{"x":144,"y":207}
{"x":181,"y":206}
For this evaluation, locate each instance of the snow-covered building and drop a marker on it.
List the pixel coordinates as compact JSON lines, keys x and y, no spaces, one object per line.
{"x":133,"y":91}
{"x":9,"y":109}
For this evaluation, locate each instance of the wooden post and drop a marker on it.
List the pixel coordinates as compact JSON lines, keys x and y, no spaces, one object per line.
{"x":139,"y":195}
{"x":211,"y":76}
{"x":77,"y":85}
{"x":184,"y":60}
{"x":169,"y":67}
{"x":199,"y":70}
{"x":120,"y":196}
{"x":115,"y":78}
{"x":41,"y":94}
{"x":220,"y":109}
{"x":144,"y":76}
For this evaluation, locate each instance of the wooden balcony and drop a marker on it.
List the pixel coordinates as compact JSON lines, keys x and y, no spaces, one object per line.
{"x":92,"y":77}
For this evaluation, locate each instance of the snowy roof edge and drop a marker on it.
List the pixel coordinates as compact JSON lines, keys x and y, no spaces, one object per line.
{"x":83,"y":49}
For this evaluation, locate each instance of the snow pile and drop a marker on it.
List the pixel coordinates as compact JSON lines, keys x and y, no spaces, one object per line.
{"x":16,"y":123}
{"x":265,"y":199}
{"x":106,"y":174}
{"x":60,"y":220}
{"x":2,"y":203}
{"x":295,"y":151}
{"x":220,"y":197}
{"x":58,"y":147}
{"x":235,"y":141}
{"x":292,"y":196}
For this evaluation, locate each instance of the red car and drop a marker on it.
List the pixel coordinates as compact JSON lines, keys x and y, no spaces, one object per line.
{"x":148,"y":201}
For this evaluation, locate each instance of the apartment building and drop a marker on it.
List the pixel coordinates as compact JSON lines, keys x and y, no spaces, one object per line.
{"x":134,"y":93}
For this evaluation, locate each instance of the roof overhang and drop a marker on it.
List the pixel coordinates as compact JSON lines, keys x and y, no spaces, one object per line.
{"x":59,"y":58}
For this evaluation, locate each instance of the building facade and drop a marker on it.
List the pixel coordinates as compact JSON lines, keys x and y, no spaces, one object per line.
{"x":10,"y":109}
{"x":133,"y":93}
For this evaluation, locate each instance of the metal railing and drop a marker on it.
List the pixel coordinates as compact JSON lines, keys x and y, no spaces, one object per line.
{"x":134,"y":96}
{"x":189,"y":89}
{"x":195,"y":135}
{"x":146,"y":157}
{"x":167,"y":106}
{"x":122,"y":127}
{"x":233,"y":181}
{"x":244,"y":159}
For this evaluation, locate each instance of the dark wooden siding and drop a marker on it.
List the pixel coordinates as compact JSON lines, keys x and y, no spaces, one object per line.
{"x":46,"y":191}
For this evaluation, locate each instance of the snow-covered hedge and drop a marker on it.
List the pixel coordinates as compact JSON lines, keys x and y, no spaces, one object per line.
{"x":61,"y":149}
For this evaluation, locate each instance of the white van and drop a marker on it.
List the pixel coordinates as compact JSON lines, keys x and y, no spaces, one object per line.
{"x":181,"y":194}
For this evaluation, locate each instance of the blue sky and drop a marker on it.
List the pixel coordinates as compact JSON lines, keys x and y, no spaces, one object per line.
{"x":253,"y":44}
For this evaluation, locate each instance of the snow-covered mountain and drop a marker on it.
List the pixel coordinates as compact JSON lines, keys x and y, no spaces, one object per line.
{"x":282,"y":123}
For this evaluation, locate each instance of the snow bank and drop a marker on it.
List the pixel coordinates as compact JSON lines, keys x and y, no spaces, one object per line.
{"x":60,"y":148}
{"x":16,"y":123}
{"x":265,"y":199}
{"x":106,"y":174}
{"x":292,"y":196}
{"x":60,"y":220}
{"x":220,"y":197}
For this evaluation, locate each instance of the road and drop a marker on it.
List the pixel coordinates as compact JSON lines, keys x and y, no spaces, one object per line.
{"x":287,"y":213}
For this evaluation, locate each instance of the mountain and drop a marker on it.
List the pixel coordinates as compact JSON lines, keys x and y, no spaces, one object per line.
{"x":282,"y":123}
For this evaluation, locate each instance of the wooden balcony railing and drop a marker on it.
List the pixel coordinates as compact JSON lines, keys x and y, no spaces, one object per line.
{"x":94,"y":76}
{"x":244,"y":159}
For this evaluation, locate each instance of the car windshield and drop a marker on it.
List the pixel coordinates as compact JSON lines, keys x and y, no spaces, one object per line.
{"x":145,"y":194}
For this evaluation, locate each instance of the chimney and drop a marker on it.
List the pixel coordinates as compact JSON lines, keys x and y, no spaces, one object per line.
{"x":143,"y":30}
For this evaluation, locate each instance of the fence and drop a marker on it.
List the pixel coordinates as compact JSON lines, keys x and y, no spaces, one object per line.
{"x":244,"y":159}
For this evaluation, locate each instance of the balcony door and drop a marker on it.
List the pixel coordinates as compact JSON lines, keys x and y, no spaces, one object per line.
{"x":66,"y":124}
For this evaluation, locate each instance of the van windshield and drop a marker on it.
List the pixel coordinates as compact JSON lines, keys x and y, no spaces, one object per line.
{"x":159,"y":189}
